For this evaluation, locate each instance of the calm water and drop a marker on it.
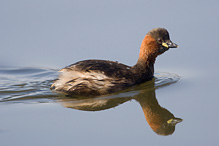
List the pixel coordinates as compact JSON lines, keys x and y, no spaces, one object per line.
{"x":52,"y":34}
{"x":29,"y":88}
{"x":32,"y":85}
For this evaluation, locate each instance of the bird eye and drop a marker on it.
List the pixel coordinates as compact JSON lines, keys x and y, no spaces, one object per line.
{"x":159,"y":40}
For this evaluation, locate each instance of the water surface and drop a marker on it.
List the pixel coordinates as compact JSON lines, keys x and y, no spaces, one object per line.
{"x":52,"y":34}
{"x":32,"y":86}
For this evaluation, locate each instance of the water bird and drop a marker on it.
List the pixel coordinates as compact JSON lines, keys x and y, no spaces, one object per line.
{"x":160,"y":119}
{"x":100,"y":77}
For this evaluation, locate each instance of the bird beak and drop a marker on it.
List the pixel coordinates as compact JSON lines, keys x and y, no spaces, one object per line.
{"x":174,"y":121}
{"x":170,"y":45}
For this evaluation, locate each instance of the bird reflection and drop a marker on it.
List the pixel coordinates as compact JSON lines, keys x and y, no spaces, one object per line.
{"x":160,"y":119}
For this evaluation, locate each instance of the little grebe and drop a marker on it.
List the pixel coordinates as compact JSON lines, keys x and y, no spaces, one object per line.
{"x":99,"y":77}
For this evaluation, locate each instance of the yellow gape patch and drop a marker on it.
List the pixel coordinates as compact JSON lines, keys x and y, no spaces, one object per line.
{"x":165,"y":45}
{"x":169,"y":121}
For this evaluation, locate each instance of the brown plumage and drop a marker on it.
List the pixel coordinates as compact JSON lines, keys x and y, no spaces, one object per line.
{"x":99,"y":77}
{"x":161,"y":120}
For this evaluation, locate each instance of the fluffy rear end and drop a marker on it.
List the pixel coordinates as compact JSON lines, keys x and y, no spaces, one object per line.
{"x":83,"y":83}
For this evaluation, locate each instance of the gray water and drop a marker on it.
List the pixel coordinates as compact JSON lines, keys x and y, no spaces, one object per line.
{"x":40,"y":37}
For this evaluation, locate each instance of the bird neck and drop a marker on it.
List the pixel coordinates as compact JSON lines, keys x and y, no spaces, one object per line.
{"x":144,"y":67}
{"x":150,"y":106}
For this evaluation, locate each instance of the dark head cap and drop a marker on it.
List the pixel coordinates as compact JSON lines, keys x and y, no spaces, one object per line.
{"x":159,"y":33}
{"x":162,"y":37}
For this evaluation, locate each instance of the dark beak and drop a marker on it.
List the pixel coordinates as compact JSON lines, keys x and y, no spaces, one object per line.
{"x":172,"y":45}
{"x":169,"y":44}
{"x":176,"y":120}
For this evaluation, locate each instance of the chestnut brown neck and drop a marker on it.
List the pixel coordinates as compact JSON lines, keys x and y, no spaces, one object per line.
{"x":152,"y":110}
{"x":144,"y":67}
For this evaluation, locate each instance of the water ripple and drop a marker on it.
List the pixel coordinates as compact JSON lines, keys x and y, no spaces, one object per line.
{"x":29,"y":85}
